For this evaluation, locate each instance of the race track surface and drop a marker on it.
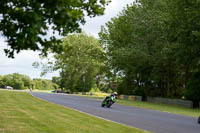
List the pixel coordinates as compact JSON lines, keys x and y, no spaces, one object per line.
{"x":155,"y":121}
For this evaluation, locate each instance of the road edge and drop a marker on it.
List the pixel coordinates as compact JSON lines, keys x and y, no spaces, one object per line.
{"x":88,"y":113}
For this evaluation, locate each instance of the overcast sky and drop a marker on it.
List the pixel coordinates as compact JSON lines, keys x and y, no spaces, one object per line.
{"x":23,"y":61}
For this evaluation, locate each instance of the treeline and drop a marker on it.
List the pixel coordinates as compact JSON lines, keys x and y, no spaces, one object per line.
{"x":21,"y":82}
{"x":154,"y":48}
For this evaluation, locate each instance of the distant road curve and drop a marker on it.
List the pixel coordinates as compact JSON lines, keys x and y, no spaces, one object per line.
{"x":155,"y":121}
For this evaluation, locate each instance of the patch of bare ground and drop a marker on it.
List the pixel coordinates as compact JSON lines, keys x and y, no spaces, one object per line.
{"x":2,"y":129}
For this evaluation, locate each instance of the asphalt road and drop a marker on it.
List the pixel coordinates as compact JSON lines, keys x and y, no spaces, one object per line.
{"x":155,"y":121}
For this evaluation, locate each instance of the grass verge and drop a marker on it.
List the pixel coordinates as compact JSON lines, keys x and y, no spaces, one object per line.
{"x":162,"y":107}
{"x":159,"y":107}
{"x":22,"y":113}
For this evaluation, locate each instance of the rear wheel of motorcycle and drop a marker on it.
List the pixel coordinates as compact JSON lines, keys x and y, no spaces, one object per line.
{"x":109,"y":104}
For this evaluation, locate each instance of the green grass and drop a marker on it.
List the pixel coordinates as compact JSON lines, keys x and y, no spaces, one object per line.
{"x":160,"y":107}
{"x":22,"y":113}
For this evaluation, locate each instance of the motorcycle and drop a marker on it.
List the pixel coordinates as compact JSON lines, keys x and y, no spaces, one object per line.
{"x":108,"y":101}
{"x":199,"y":120}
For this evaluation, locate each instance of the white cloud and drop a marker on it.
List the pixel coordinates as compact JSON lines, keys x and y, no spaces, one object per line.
{"x":23,"y":61}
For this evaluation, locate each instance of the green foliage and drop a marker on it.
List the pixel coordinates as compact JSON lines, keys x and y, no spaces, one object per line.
{"x":109,"y":90}
{"x":95,"y":89}
{"x":55,"y":86}
{"x":15,"y":80}
{"x":154,"y":48}
{"x":132,"y":42}
{"x":1,"y":82}
{"x":81,"y":61}
{"x":25,"y":24}
{"x":44,"y":84}
{"x":57,"y":80}
{"x":20,"y":82}
{"x":184,"y":30}
{"x":193,"y":91}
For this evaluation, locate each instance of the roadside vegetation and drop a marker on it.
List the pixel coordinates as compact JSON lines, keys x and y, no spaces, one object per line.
{"x":154,"y":47}
{"x":21,"y":82}
{"x":22,"y":113}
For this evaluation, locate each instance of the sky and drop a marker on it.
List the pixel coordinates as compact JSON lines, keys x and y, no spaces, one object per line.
{"x":22,"y":63}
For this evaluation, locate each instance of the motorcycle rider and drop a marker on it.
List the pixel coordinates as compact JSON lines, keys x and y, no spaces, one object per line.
{"x":112,"y":96}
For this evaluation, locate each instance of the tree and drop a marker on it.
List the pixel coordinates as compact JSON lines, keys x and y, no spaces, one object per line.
{"x":184,"y":32}
{"x":57,"y":80}
{"x":44,"y":84}
{"x":155,"y":45}
{"x":20,"y":82}
{"x":80,"y":62}
{"x":14,"y":80}
{"x":1,"y":82}
{"x":25,"y":24}
{"x":193,"y":89}
{"x":135,"y":42}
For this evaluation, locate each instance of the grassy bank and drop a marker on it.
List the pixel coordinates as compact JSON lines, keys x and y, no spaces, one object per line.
{"x":22,"y":113}
{"x":155,"y":106}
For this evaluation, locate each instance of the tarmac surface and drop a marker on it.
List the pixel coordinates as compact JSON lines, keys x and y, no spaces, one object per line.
{"x":146,"y":119}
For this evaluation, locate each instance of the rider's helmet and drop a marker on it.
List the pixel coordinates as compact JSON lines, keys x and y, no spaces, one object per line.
{"x":115,"y":94}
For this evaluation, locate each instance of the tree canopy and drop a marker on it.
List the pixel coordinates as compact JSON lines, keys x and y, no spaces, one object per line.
{"x":21,"y":82}
{"x":81,"y":62}
{"x":25,"y":23}
{"x":155,"y":45}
